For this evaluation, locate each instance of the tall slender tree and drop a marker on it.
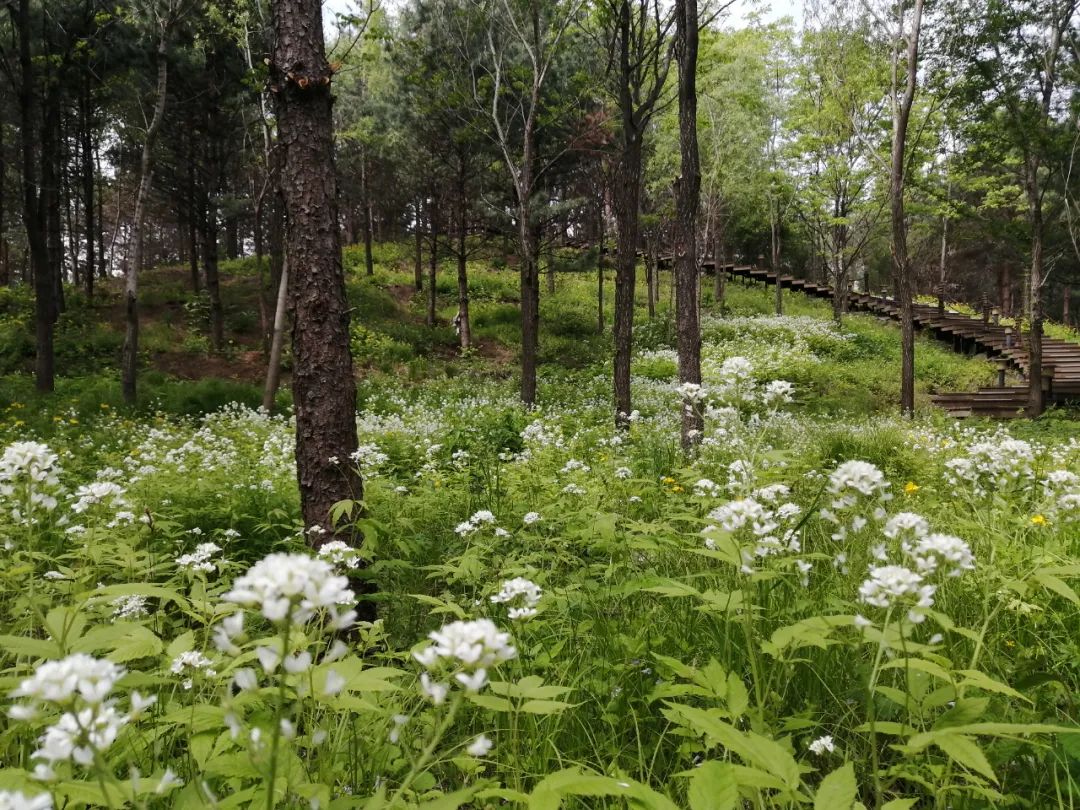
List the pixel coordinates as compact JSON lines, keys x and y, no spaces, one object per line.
{"x":636,"y":36}
{"x":687,"y":191}
{"x":905,"y":76}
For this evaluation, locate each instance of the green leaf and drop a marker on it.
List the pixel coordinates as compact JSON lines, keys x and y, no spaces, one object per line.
{"x":963,"y":712}
{"x":900,"y":804}
{"x":812,"y":632}
{"x":181,"y":644}
{"x":491,"y":703}
{"x":966,"y":752}
{"x":837,"y":790}
{"x":545,"y":706}
{"x":754,"y":749}
{"x":122,"y":642}
{"x":1052,"y":583}
{"x":713,"y":787}
{"x":549,"y":793}
{"x":29,"y":647}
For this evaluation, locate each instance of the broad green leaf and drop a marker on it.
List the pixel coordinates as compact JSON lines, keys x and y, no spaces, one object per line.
{"x":713,"y":787}
{"x":121,"y":642}
{"x":837,"y":790}
{"x":549,"y":793}
{"x":1058,"y":586}
{"x":21,"y":646}
{"x":545,"y":706}
{"x":965,"y":711}
{"x":752,"y":748}
{"x":965,"y":751}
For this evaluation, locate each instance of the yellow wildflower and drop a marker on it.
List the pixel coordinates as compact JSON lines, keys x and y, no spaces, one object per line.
{"x":1038,"y":520}
{"x":910,"y":488}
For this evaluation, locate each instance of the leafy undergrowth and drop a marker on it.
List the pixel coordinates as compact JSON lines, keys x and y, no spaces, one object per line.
{"x":823,"y":606}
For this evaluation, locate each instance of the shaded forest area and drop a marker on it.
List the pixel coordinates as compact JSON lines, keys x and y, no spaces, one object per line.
{"x":143,"y":133}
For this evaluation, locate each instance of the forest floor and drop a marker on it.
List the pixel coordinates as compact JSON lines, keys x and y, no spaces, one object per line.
{"x":390,"y":336}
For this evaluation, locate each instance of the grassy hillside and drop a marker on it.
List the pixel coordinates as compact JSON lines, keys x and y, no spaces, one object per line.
{"x":860,"y":375}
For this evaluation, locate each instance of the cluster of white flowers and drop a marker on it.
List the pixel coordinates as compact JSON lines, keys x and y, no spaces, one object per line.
{"x":200,"y":559}
{"x":705,"y":488}
{"x":934,"y":552}
{"x":859,"y":492}
{"x":993,"y":465}
{"x":764,"y":529}
{"x":522,"y":594}
{"x":97,"y":492}
{"x":81,"y":687}
{"x":1061,"y":490}
{"x":294,"y":588}
{"x":822,"y":745}
{"x":129,"y":607}
{"x":891,"y":585}
{"x":369,"y":459}
{"x":692,"y":394}
{"x":928,"y":554}
{"x":465,"y":651}
{"x":906,"y":526}
{"x":17,"y":800}
{"x":195,"y":662}
{"x":340,"y":553}
{"x":479,"y":520}
{"x":573,"y":465}
{"x":29,"y":479}
{"x":77,"y":677}
{"x":530,"y":518}
{"x":734,"y":383}
{"x":778,"y":392}
{"x":537,"y":434}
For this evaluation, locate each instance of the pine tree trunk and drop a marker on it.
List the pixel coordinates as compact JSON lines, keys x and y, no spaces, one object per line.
{"x":1036,"y":399}
{"x":600,"y":272}
{"x":720,"y":268}
{"x":464,"y":328}
{"x":418,"y":264}
{"x":433,"y":264}
{"x":902,"y":272}
{"x":626,"y":198}
{"x":87,"y":174}
{"x":213,"y":280}
{"x":365,"y":193}
{"x":774,"y":233}
{"x":130,"y":361}
{"x":687,"y":191}
{"x":33,"y":211}
{"x":324,"y":389}
{"x":277,"y":340}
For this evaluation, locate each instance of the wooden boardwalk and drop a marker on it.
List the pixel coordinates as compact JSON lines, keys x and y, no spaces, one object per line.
{"x":967,"y":335}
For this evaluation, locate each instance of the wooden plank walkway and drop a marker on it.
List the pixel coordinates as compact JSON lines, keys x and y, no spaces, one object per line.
{"x":967,"y":335}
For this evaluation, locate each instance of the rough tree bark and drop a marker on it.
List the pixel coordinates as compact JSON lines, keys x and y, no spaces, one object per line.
{"x":687,"y":191}
{"x":130,"y":355}
{"x":324,"y":389}
{"x":626,"y":199}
